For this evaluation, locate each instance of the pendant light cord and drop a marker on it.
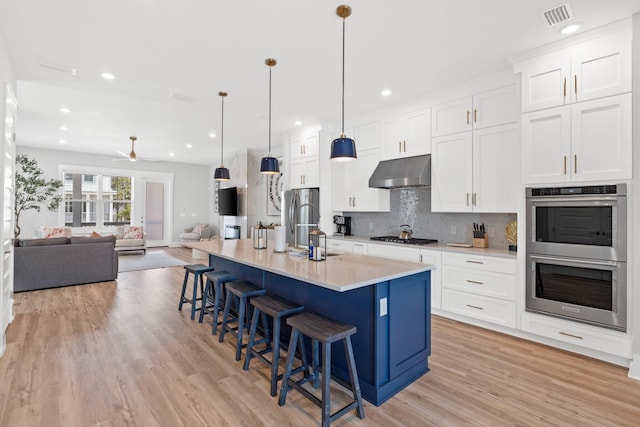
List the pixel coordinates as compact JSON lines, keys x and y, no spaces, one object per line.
{"x":343,"y":44}
{"x":222,"y":135}
{"x":270,"y":111}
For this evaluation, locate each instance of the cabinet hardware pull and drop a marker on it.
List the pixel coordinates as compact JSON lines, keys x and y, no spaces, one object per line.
{"x":399,"y":146}
{"x":420,"y":258}
{"x":404,"y":143}
{"x":473,"y":199}
{"x":575,"y":163}
{"x":575,"y":84}
{"x":467,"y":199}
{"x":564,"y":87}
{"x":468,"y":116}
{"x":354,"y":201}
{"x":571,"y":335}
{"x":565,"y":165}
{"x":475,"y":115}
{"x":475,"y":262}
{"x":475,"y":306}
{"x":475,"y":282}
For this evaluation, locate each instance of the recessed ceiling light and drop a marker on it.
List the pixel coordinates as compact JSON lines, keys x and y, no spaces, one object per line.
{"x":188,"y":145}
{"x":385,"y":92}
{"x":65,"y":110}
{"x":63,"y":128}
{"x":297,"y":123}
{"x":212,"y":135}
{"x":571,"y":28}
{"x":107,"y":76}
{"x":171,"y":154}
{"x":62,"y":141}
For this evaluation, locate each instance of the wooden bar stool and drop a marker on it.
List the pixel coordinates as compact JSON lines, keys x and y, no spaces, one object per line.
{"x":277,"y":308}
{"x":213,"y":292}
{"x":198,"y":270}
{"x":240,"y":291}
{"x":323,"y":330}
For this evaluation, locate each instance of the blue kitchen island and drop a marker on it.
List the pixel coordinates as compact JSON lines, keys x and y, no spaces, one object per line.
{"x":387,"y":300}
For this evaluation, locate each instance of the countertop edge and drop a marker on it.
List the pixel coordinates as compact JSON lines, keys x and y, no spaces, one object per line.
{"x":493,"y":252}
{"x":420,"y":268}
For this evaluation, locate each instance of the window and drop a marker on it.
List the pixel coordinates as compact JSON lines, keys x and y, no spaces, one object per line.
{"x":100,"y":200}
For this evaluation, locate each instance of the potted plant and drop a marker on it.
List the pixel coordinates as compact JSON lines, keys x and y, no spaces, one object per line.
{"x":32,"y":191}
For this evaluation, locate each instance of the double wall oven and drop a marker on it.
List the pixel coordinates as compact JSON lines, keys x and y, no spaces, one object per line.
{"x":577,"y":253}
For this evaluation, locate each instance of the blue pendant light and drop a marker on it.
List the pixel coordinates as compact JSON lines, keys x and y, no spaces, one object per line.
{"x":222,"y":173}
{"x":343,"y":148}
{"x":269,"y":164}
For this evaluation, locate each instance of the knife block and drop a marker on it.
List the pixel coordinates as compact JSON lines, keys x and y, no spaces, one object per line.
{"x":481,"y":242}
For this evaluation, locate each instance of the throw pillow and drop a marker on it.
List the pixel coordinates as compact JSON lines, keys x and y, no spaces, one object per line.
{"x":50,"y":232}
{"x":198,"y":228}
{"x":95,"y":234}
{"x":133,"y":232}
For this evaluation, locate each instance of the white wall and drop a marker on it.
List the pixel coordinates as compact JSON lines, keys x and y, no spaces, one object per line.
{"x":633,"y":260}
{"x":190,"y":186}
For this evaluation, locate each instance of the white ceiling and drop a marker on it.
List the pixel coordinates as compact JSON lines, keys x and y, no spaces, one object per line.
{"x":200,"y":47}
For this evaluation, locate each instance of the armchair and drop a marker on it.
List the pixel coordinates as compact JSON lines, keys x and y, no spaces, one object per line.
{"x":131,"y":238}
{"x":195,"y":233}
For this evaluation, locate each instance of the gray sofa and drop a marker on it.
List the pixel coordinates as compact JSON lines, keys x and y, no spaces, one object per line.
{"x":64,"y":261}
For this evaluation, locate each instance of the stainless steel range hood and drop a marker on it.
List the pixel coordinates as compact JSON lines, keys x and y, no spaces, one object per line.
{"x":398,"y":173}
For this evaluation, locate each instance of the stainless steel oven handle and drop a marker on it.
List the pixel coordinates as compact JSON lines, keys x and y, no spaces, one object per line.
{"x":575,"y":260}
{"x":561,"y":200}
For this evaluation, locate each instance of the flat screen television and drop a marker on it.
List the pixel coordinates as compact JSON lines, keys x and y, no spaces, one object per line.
{"x":228,"y":201}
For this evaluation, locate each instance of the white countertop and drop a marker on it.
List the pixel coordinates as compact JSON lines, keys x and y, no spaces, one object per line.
{"x":504,"y":253}
{"x":340,"y":273}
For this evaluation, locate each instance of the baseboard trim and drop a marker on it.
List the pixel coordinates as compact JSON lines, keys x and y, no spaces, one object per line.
{"x":634,"y":367}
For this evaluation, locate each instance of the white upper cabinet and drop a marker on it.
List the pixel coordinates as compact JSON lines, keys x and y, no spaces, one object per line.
{"x":305,"y":163}
{"x":590,"y":70}
{"x":476,"y":171}
{"x":306,"y":146}
{"x":546,"y":145}
{"x":350,"y":185}
{"x":366,"y":136}
{"x":587,"y":141}
{"x":406,"y":135}
{"x":576,"y":104}
{"x":451,"y":173}
{"x":496,"y":169}
{"x":475,"y":157}
{"x":490,"y":108}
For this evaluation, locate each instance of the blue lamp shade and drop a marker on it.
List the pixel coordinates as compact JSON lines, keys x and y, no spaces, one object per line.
{"x":221,"y":174}
{"x":343,"y":149}
{"x":269,"y":165}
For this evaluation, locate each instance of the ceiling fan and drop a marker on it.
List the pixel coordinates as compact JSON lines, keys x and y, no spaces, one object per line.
{"x":132,"y":156}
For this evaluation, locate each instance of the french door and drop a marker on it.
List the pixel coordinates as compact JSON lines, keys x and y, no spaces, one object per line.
{"x":155,"y":210}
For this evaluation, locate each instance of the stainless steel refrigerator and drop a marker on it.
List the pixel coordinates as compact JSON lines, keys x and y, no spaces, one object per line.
{"x":301,"y":214}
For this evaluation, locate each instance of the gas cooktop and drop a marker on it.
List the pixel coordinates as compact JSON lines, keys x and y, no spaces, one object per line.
{"x":412,"y":241}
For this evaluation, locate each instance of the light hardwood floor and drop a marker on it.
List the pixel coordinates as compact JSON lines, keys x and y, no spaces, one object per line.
{"x":120,"y":354}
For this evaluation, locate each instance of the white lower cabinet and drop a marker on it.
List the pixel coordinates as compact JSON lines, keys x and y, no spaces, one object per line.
{"x":428,"y":256}
{"x":480,"y":287}
{"x":335,"y":246}
{"x":360,"y":248}
{"x":341,"y":246}
{"x":592,"y":337}
{"x":394,"y":252}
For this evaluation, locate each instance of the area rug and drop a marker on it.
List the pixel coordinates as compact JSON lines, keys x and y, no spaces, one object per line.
{"x":146,"y":262}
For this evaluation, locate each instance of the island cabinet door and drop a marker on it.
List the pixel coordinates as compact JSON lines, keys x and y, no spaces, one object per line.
{"x":409,"y":323}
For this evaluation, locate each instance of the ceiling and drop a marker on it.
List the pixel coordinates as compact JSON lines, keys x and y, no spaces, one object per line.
{"x":197,"y":48}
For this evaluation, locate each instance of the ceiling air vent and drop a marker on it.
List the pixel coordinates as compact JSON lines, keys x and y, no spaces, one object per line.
{"x":181,"y":97}
{"x":558,"y":15}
